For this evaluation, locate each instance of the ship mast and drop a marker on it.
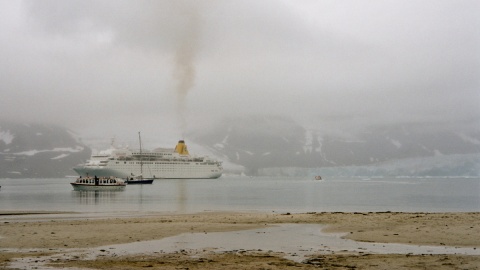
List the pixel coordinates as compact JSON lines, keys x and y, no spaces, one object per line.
{"x":141,"y":156}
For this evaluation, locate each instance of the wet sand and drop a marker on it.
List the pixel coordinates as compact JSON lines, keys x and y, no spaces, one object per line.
{"x":49,"y":235}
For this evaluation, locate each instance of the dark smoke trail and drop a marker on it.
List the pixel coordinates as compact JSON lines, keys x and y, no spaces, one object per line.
{"x":184,"y":70}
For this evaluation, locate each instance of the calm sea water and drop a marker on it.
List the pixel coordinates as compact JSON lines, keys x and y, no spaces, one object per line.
{"x":229,"y":193}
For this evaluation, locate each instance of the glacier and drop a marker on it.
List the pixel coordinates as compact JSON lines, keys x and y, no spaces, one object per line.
{"x":438,"y":166}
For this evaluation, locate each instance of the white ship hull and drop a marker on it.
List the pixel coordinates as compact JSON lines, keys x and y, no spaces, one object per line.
{"x":159,"y":164}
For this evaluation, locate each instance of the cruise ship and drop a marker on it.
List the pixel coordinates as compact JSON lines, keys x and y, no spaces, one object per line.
{"x":161,"y":163}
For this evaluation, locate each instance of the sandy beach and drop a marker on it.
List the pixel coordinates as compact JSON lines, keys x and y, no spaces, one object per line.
{"x":38,"y":236}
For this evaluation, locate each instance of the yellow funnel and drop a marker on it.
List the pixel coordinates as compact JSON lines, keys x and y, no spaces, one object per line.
{"x":181,"y":148}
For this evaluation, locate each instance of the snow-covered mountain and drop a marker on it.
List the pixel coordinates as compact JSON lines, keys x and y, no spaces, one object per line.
{"x":270,"y":145}
{"x":37,"y":150}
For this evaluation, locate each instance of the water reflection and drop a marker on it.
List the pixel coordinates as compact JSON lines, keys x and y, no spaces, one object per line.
{"x":94,"y":197}
{"x":181,"y":197}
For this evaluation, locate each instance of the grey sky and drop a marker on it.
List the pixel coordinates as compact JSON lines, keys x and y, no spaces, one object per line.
{"x":118,"y":67}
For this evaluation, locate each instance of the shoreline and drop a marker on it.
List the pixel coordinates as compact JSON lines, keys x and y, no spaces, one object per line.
{"x":50,"y":231}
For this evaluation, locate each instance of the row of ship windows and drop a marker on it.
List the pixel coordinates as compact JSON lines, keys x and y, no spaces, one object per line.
{"x":177,"y":169}
{"x":101,"y":181}
{"x":167,"y":163}
{"x":151,"y":154}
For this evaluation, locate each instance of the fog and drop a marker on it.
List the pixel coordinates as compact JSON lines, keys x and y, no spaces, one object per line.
{"x":113,"y":68}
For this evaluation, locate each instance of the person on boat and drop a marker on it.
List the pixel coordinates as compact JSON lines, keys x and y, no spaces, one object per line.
{"x":96,"y":181}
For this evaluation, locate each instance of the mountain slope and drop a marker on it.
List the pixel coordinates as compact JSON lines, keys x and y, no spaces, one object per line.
{"x":37,"y":150}
{"x":264,"y":142}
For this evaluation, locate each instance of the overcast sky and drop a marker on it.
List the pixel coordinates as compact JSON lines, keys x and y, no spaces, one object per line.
{"x":115,"y":67}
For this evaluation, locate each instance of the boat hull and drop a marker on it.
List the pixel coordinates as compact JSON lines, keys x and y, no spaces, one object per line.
{"x":139,"y":182}
{"x":85,"y":187}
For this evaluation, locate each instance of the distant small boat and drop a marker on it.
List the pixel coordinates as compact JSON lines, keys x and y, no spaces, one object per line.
{"x":318,"y":177}
{"x":139,"y":180}
{"x":96,"y":183}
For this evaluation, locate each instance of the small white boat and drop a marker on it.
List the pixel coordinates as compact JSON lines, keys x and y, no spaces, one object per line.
{"x":318,"y":177}
{"x":96,"y":183}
